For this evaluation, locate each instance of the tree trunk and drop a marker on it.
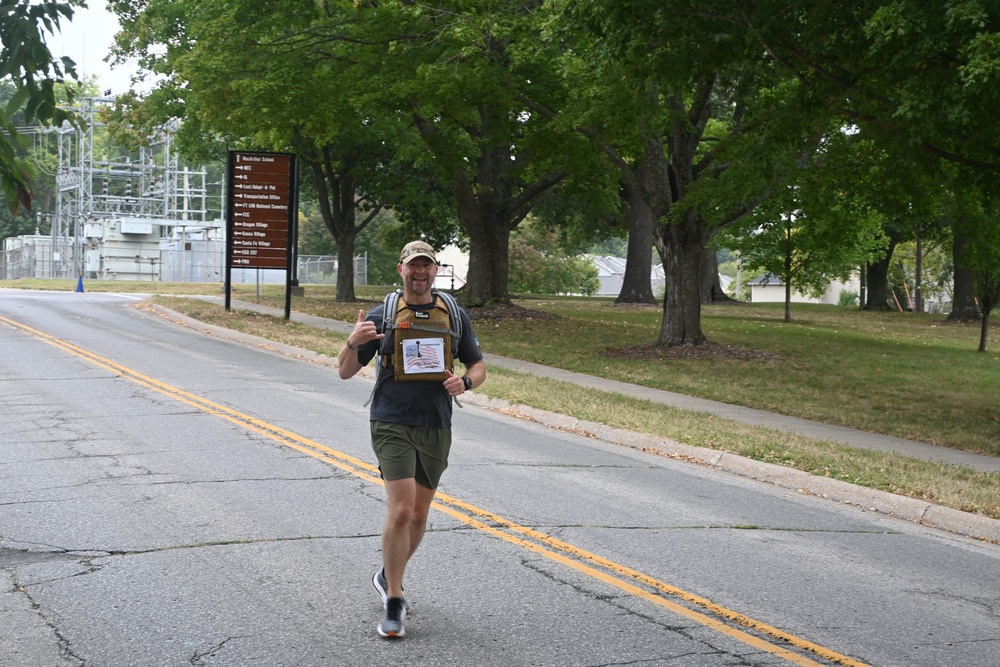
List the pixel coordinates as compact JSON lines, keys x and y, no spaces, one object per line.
{"x":662,"y":183}
{"x":345,"y":267}
{"x":339,"y":219}
{"x":989,"y":296}
{"x":786,"y":279}
{"x":863,"y":279}
{"x":484,"y":212}
{"x":711,"y":285}
{"x":963,"y":304}
{"x":918,"y":278}
{"x":636,"y":283}
{"x":489,"y":259}
{"x":681,"y":243}
{"x":878,"y":285}
{"x":338,"y":208}
{"x":493,"y":197}
{"x":681,"y":247}
{"x":877,"y":278}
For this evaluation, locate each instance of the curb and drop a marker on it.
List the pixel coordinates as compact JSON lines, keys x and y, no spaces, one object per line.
{"x":927,"y":514}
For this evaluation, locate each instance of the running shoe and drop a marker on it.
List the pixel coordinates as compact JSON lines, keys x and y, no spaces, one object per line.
{"x":391,"y":624}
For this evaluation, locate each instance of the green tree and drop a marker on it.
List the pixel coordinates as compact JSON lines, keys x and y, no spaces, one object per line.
{"x":857,"y":174}
{"x":920,"y":76}
{"x":806,"y":250}
{"x":701,"y":151}
{"x":379,"y":242}
{"x":273,"y":76}
{"x":916,"y":78}
{"x":540,"y":266}
{"x":15,"y":219}
{"x":620,"y":116}
{"x":25,"y":60}
{"x":816,"y":228}
{"x":927,"y":266}
{"x":585,"y":215}
{"x":461,"y":73}
{"x":314,"y":238}
{"x":40,"y":154}
{"x":386,"y":103}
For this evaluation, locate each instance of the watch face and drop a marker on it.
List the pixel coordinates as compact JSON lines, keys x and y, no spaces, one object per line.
{"x":468,"y":382}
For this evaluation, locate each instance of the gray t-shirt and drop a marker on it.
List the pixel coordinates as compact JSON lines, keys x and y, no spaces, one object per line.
{"x":414,"y":403}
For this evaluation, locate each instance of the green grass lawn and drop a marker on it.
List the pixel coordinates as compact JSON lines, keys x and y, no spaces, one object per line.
{"x":915,"y":376}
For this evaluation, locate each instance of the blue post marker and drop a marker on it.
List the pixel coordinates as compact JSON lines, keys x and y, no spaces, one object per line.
{"x":79,"y":284}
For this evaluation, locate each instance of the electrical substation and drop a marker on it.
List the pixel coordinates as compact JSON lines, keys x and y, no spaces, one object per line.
{"x":115,"y":218}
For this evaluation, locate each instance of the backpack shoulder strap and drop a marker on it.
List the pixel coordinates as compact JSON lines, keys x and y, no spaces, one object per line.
{"x":455,"y":322}
{"x":454,"y":318}
{"x":389,"y":305}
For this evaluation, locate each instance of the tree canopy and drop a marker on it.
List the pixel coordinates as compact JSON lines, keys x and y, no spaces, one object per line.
{"x":687,"y":115}
{"x":26,"y":62}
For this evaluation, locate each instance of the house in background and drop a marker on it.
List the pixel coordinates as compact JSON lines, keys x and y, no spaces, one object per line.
{"x":770,"y":289}
{"x":611,"y":274}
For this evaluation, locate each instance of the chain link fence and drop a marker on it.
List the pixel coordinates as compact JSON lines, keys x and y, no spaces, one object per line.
{"x":36,"y":257}
{"x":322,"y":270}
{"x":186,"y":261}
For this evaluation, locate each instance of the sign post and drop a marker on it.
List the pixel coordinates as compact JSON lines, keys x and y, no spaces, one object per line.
{"x":261,"y":216}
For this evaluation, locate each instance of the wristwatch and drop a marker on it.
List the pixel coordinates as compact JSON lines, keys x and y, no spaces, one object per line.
{"x":468,"y":382}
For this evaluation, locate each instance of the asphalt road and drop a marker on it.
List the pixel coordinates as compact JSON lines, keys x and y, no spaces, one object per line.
{"x":171,"y":498}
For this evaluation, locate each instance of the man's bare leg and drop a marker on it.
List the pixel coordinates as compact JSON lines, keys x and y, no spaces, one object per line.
{"x":409,"y":504}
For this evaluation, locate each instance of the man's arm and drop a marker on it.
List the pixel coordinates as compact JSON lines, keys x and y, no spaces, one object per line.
{"x":364,"y":332}
{"x":468,"y":349}
{"x":476,"y":372}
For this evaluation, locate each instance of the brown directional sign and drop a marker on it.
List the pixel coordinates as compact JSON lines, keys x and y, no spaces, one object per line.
{"x":260,"y":209}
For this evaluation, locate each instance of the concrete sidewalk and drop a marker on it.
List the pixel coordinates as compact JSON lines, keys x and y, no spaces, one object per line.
{"x":918,"y":511}
{"x":849,"y":436}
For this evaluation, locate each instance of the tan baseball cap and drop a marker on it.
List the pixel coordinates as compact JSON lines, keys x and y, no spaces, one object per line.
{"x":417,"y":249}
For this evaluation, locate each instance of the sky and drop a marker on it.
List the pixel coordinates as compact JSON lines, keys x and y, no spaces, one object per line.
{"x":87,"y":40}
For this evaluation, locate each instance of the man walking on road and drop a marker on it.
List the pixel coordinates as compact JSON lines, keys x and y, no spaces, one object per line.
{"x":411,"y":407}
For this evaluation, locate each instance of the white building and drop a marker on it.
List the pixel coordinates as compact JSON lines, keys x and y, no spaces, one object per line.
{"x":770,"y":289}
{"x":454,"y":270}
{"x":611,"y":274}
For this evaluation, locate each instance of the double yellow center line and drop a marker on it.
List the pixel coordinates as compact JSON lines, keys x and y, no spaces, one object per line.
{"x":761,"y":636}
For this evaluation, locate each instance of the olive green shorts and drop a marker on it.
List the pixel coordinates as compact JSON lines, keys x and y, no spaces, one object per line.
{"x":420,"y":452}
